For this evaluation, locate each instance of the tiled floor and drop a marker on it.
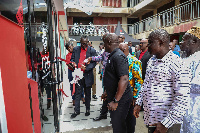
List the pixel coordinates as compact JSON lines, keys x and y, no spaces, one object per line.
{"x":82,"y":123}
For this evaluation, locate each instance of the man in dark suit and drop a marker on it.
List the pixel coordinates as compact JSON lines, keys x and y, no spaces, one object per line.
{"x":79,"y":54}
{"x":143,"y":55}
{"x":130,"y":47}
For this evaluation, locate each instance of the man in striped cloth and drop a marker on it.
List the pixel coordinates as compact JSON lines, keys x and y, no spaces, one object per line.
{"x":165,"y":91}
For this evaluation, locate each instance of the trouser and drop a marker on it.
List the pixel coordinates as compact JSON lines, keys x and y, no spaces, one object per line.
{"x":78,"y":91}
{"x":94,"y":85}
{"x":48,"y":91}
{"x":70,"y":77}
{"x":174,"y":129}
{"x":123,"y":120}
{"x":47,"y":86}
{"x":100,"y":67}
{"x":104,"y":108}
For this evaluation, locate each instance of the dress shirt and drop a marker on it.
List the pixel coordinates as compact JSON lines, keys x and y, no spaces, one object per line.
{"x":135,"y":74}
{"x":82,"y":57}
{"x":165,"y":91}
{"x":141,"y":54}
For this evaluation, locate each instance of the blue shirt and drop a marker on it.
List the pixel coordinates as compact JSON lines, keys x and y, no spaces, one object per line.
{"x":177,"y":53}
{"x":177,"y":48}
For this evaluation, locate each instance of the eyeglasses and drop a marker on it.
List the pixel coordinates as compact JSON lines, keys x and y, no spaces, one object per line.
{"x":143,"y":43}
{"x":84,"y":43}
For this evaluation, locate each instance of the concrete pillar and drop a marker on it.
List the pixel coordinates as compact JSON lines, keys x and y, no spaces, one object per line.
{"x":140,"y":17}
{"x":154,"y":11}
{"x":124,"y":3}
{"x":124,"y":21}
{"x":100,"y":3}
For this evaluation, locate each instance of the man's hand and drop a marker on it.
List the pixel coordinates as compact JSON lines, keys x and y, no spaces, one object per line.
{"x":74,"y":64}
{"x":89,"y":59}
{"x":70,"y":66}
{"x":136,"y":110}
{"x":104,"y":96}
{"x":83,"y":67}
{"x":160,"y":128}
{"x":112,"y":106}
{"x":134,"y":100}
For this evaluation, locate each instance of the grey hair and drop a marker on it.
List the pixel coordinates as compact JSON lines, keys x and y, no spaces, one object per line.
{"x":161,"y":35}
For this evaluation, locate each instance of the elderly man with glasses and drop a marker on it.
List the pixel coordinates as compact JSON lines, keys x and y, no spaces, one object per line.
{"x":143,"y":55}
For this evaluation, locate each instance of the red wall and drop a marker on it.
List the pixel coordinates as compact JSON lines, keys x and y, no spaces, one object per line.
{"x":107,"y":21}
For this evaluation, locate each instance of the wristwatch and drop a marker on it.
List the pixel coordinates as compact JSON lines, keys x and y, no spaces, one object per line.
{"x":115,"y":100}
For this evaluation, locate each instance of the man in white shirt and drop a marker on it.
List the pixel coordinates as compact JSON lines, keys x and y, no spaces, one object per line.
{"x":165,"y":91}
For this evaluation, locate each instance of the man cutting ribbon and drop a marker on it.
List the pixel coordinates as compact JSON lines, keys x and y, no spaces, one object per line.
{"x":79,"y":54}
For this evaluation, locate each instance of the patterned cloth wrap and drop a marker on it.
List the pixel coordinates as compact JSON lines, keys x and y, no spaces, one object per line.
{"x":191,"y":121}
{"x":135,"y":74}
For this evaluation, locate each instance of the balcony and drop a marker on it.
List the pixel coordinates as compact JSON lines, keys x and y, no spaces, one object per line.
{"x":93,"y":30}
{"x":176,"y":15}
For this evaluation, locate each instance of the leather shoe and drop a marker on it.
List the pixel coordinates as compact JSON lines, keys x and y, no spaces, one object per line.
{"x":100,"y":117}
{"x":74,"y":115}
{"x":87,"y":113}
{"x":94,"y":96}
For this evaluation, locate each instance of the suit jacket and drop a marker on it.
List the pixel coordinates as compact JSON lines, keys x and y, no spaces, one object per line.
{"x":88,"y":74}
{"x":130,"y":50}
{"x":144,"y":60}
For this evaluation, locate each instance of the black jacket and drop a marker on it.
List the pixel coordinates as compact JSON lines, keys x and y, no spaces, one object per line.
{"x":88,"y":74}
{"x":144,"y":60}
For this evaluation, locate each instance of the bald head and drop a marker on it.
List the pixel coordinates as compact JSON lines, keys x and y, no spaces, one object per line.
{"x":111,"y":43}
{"x":161,"y":35}
{"x":104,"y":37}
{"x":124,"y":48}
{"x":113,"y":38}
{"x":121,"y":38}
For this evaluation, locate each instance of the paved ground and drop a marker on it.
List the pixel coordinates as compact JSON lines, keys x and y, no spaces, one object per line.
{"x":83,"y":124}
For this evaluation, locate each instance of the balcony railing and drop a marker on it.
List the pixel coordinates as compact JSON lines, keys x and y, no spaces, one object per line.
{"x":135,"y":2}
{"x":184,"y":12}
{"x":93,"y":30}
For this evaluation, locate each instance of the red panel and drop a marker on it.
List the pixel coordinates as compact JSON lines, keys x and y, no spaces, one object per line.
{"x":115,"y":3}
{"x":14,"y":77}
{"x":61,"y":13}
{"x":119,"y":3}
{"x":111,"y":2}
{"x":35,"y":105}
{"x":106,"y":2}
{"x":106,"y":20}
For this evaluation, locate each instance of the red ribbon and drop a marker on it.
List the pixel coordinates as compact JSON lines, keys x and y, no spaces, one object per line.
{"x":63,"y":92}
{"x":73,"y":89}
